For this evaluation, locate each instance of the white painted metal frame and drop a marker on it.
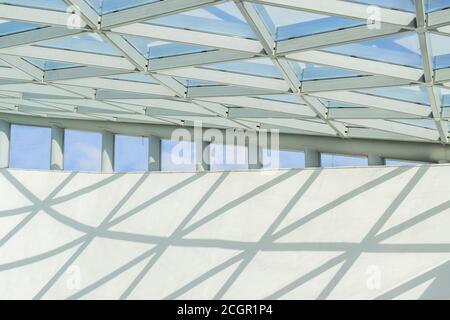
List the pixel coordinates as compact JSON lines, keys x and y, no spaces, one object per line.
{"x":96,"y":87}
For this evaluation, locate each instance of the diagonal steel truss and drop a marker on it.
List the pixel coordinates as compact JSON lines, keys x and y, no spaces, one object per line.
{"x":95,"y":90}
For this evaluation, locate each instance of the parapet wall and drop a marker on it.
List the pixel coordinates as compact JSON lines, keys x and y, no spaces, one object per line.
{"x":354,"y":233}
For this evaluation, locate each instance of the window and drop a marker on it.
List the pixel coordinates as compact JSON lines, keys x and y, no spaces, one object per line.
{"x":82,"y":150}
{"x":399,"y":163}
{"x":335,"y":160}
{"x":283,"y":159}
{"x":30,"y":147}
{"x":177,"y":156}
{"x":228,"y":157}
{"x":131,"y":154}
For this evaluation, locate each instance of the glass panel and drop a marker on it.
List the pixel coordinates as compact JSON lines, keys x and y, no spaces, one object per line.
{"x":223,"y":19}
{"x":401,"y":49}
{"x":416,"y":94}
{"x":86,"y":42}
{"x":424,"y":123}
{"x":398,"y":163}
{"x":404,"y":5}
{"x":131,"y":154}
{"x":335,"y":160}
{"x":197,"y":83}
{"x":440,"y":50}
{"x":57,"y":5}
{"x":106,"y":6}
{"x":434,"y":5}
{"x":82,"y":150}
{"x":258,"y":67}
{"x":153,"y":49}
{"x":306,"y":71}
{"x":228,"y":157}
{"x":444,"y":95}
{"x":10,"y":27}
{"x":177,"y":156}
{"x":291,"y":98}
{"x":286,"y":23}
{"x":51,"y":65}
{"x":134,"y":77}
{"x":286,"y":159}
{"x":30,"y":147}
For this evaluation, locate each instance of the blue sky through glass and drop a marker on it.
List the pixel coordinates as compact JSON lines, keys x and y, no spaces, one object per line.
{"x":30,"y":149}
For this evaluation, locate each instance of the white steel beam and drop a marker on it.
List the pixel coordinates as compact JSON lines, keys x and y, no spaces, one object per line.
{"x":195,"y":59}
{"x":42,"y":16}
{"x":150,"y":11}
{"x":76,"y":57}
{"x":80,"y":72}
{"x":428,"y":71}
{"x":229,"y":77}
{"x":395,"y":127}
{"x":264,"y":104}
{"x":190,"y":37}
{"x":119,"y":85}
{"x":351,"y":83}
{"x":334,"y":38}
{"x":344,"y":9}
{"x":35,"y":35}
{"x":376,"y":102}
{"x":358,"y":64}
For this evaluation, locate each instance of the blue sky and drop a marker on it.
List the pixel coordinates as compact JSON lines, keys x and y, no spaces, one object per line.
{"x":30,"y":150}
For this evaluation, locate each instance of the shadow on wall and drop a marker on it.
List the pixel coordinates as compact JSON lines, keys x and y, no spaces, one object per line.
{"x":241,"y":255}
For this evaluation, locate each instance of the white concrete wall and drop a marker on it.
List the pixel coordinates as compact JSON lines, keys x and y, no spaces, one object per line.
{"x":379,"y":232}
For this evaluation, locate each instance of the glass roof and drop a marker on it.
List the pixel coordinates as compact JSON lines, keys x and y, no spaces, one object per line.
{"x":293,"y":65}
{"x":285,"y":23}
{"x":401,"y":49}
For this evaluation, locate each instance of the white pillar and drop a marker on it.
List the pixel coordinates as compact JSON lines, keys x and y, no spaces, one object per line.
{"x":154,"y":153}
{"x":254,"y":156}
{"x":202,"y":156}
{"x":375,"y":160}
{"x":312,"y":158}
{"x":57,"y":149}
{"x":5,"y":131}
{"x":107,"y":152}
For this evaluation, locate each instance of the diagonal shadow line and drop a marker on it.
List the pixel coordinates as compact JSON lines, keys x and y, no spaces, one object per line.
{"x":42,"y":256}
{"x":177,"y":233}
{"x":308,"y":276}
{"x":113,"y":274}
{"x":53,"y":201}
{"x":410,"y":248}
{"x":89,"y":229}
{"x":412,"y":283}
{"x":89,"y":239}
{"x":347,"y":196}
{"x":234,"y":203}
{"x":413,"y":221}
{"x":267,"y":234}
{"x":16,"y":211}
{"x":35,"y":199}
{"x":205,"y":276}
{"x":329,"y":264}
{"x":373,"y":231}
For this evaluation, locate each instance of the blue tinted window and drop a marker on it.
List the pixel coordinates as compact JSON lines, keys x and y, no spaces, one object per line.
{"x":227,"y":157}
{"x":335,"y":160}
{"x":82,"y":150}
{"x":177,"y":156}
{"x":131,"y":154}
{"x":283,"y":159}
{"x":30,"y":147}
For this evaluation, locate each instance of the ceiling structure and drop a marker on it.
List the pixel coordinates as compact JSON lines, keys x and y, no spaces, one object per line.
{"x":376,"y":69}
